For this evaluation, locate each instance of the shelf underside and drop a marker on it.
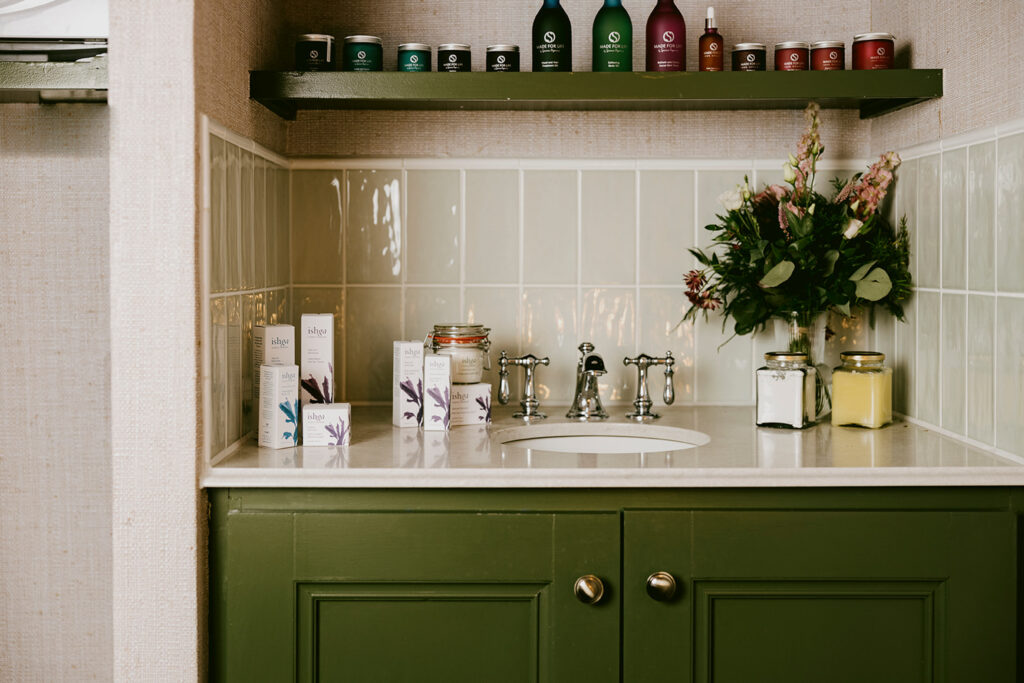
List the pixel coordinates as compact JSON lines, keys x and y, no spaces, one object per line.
{"x":871,"y":92}
{"x":48,"y":82}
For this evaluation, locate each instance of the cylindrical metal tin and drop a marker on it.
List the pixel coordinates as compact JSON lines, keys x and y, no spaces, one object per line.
{"x":503,"y":58}
{"x":314,"y":52}
{"x":749,"y":57}
{"x":828,"y":55}
{"x":873,"y":51}
{"x":363,"y":53}
{"x":454,"y":58}
{"x":414,"y":57}
{"x":793,"y":55}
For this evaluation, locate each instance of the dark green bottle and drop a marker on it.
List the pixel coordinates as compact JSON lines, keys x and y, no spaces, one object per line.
{"x":613,"y":38}
{"x":552,"y":38}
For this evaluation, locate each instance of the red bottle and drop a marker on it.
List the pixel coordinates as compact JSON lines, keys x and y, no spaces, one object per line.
{"x":666,"y":38}
{"x":712,"y":47}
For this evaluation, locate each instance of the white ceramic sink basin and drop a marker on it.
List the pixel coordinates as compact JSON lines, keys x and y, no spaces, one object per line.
{"x":600,"y":438}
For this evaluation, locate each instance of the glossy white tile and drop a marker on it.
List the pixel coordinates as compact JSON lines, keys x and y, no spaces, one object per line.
{"x":928,"y":349}
{"x":550,"y":227}
{"x":492,"y":226}
{"x":316,"y":213}
{"x":233,"y":218}
{"x":429,"y":306}
{"x":666,"y":226}
{"x":724,"y":365}
{"x":434,"y":255}
{"x":926,"y":228}
{"x":551,"y":328}
{"x":248,"y":320}
{"x":218,"y":217}
{"x":906,"y":207}
{"x":659,"y":312}
{"x":953,"y":372}
{"x":218,"y":374}
{"x":376,"y":241}
{"x":498,"y":309}
{"x":1009,"y":406}
{"x":981,"y":216}
{"x":248,"y":228}
{"x":259,"y":222}
{"x":233,"y":416}
{"x":954,"y":219}
{"x":284,"y":229}
{"x":608,"y":321}
{"x":608,"y":249}
{"x":904,"y":365}
{"x":981,"y":311}
{"x":1010,"y":214}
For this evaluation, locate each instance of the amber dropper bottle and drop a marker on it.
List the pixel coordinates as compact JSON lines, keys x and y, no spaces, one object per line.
{"x":711,"y":46}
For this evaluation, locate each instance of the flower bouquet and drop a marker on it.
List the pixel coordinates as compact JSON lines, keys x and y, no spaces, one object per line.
{"x":793,"y":254}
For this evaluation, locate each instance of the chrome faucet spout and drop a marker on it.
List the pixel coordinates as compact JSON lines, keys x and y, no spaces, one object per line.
{"x":586,"y":403}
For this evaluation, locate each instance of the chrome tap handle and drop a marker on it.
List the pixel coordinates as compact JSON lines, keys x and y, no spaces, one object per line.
{"x":503,"y":389}
{"x":670,"y":370}
{"x":643,"y":403}
{"x":529,"y":363}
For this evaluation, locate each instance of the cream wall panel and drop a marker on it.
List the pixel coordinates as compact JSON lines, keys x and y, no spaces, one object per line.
{"x":55,"y":482}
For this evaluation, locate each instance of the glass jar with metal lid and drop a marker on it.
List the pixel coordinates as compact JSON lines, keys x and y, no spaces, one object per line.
{"x":792,"y":55}
{"x":363,"y":53}
{"x":785,"y":391}
{"x":467,"y":345}
{"x":414,"y":57}
{"x":862,"y":390}
{"x":502,"y":58}
{"x":873,"y":51}
{"x":454,"y":58}
{"x":314,"y":52}
{"x":828,"y":55}
{"x":749,"y":57}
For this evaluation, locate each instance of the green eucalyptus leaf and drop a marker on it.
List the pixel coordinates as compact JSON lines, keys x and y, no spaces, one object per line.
{"x":831,"y":256}
{"x":875,"y":286}
{"x":861,"y":272}
{"x":777,"y":275}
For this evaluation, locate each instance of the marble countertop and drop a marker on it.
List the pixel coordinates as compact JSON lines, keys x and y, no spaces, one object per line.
{"x":736,"y":453}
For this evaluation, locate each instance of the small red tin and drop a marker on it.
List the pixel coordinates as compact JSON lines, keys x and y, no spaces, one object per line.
{"x":828,"y":55}
{"x":791,"y":56}
{"x":873,"y":51}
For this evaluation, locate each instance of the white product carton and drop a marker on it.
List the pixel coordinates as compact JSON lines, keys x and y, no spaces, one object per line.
{"x":326,"y":424}
{"x":271,"y":345}
{"x":407,"y":389}
{"x":279,"y":406}
{"x":317,"y":358}
{"x":437,"y":392}
{"x":471,"y":404}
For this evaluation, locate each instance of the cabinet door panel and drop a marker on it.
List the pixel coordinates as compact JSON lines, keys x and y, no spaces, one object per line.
{"x":810,"y":596}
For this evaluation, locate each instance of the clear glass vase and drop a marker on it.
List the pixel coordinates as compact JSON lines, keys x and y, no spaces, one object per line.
{"x":805,"y":332}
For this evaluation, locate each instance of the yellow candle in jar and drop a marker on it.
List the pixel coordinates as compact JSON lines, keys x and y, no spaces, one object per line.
{"x":862,"y":390}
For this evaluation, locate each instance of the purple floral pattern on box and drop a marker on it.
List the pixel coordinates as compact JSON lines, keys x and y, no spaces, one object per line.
{"x":414,"y":395}
{"x":291,"y":416}
{"x":444,"y":402}
{"x":338,"y":432}
{"x":485,"y":408}
{"x":319,"y":393}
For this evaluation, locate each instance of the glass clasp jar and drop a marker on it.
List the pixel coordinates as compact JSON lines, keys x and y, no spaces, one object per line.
{"x":467,"y":345}
{"x":862,"y":390}
{"x":785,"y":391}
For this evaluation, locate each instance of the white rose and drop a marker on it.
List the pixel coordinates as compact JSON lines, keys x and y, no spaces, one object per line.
{"x":731,"y":199}
{"x":852,"y":228}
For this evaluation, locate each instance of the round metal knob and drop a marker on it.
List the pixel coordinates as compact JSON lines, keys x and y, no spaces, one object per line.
{"x":661,"y":586}
{"x":588,"y":589}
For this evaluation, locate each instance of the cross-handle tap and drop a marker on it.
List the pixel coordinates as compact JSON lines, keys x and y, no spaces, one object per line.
{"x":530,"y":404}
{"x":643,"y":403}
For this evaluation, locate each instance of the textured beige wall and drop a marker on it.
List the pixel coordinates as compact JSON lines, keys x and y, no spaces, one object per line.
{"x":568,"y":134}
{"x":232,"y":37}
{"x":977,"y":44}
{"x":159,"y":568}
{"x":55,"y":485}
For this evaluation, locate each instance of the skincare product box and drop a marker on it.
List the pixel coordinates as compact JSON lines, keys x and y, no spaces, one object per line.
{"x":271,"y":345}
{"x":279,"y":406}
{"x":471,"y":404}
{"x":407,"y":390}
{"x":317,"y":358}
{"x":326,"y":424}
{"x":437,"y":392}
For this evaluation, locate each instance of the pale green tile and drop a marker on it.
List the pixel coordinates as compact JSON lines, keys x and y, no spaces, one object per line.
{"x":316,"y":214}
{"x":1009,"y":412}
{"x":905,"y":362}
{"x":373,"y":314}
{"x":376,"y":239}
{"x":233,"y":219}
{"x":434,"y":227}
{"x":981,"y":217}
{"x":218,"y":375}
{"x":429,"y":306}
{"x":666,"y":226}
{"x":260,"y":246}
{"x":492,"y":227}
{"x":928,"y":349}
{"x":550,"y":227}
{"x":928,"y":233}
{"x":981,"y":311}
{"x":1010,"y":214}
{"x":953,"y":370}
{"x":284,"y":232}
{"x":608,"y":250}
{"x":954,"y":219}
{"x":233,"y":416}
{"x":248,"y":227}
{"x":218,"y":215}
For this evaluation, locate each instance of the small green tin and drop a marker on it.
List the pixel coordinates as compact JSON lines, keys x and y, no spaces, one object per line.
{"x":414,"y":57}
{"x":363,"y":53}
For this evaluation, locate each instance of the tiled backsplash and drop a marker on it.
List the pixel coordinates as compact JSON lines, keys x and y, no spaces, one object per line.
{"x":960,"y":360}
{"x":552,"y":253}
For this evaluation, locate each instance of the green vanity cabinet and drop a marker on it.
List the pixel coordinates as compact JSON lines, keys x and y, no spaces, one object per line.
{"x":790,"y":585}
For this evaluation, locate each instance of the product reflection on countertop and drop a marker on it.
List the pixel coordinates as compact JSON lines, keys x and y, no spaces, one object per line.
{"x":721,"y":447}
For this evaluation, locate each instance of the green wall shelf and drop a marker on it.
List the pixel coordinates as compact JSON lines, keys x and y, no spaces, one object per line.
{"x":873,"y":93}
{"x":50,"y":82}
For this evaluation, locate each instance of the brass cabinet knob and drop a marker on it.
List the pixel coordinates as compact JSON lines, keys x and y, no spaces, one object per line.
{"x":588,"y":589}
{"x":661,"y":586}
